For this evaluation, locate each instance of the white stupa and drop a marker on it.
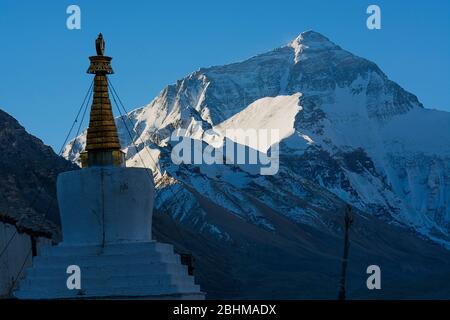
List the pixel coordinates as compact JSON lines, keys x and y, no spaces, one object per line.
{"x":106,"y":219}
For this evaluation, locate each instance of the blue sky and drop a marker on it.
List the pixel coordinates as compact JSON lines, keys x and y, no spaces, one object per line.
{"x":153,"y":43}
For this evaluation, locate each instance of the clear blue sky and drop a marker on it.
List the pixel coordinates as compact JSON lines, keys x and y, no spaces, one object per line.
{"x":154,"y":43}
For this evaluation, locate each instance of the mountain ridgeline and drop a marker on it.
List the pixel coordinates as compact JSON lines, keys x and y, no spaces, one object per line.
{"x":28,"y":171}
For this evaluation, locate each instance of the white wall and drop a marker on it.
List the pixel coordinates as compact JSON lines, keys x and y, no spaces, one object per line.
{"x":17,"y":254}
{"x":101,"y":205}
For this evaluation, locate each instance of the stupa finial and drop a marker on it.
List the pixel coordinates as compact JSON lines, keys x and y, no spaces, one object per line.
{"x":102,"y":141}
{"x":100,"y":45}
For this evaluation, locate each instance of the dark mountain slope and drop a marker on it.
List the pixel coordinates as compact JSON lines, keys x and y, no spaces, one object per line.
{"x":28,"y":171}
{"x":301,"y":262}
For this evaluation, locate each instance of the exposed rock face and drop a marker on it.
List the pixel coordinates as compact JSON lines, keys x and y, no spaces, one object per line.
{"x":28,"y":171}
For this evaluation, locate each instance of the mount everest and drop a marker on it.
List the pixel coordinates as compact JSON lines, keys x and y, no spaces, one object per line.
{"x":345,"y":127}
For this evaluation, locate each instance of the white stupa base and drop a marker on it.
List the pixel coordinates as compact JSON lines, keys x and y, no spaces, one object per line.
{"x":141,"y":270}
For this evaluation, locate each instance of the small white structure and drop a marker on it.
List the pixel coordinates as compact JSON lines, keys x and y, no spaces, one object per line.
{"x":18,"y":245}
{"x":106,"y":215}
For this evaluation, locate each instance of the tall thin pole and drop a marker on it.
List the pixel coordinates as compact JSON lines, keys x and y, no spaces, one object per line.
{"x":348,"y":220}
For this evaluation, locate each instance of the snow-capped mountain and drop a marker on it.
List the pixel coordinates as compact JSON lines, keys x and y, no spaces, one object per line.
{"x":347,"y":134}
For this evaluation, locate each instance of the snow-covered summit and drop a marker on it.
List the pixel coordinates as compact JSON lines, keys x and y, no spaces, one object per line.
{"x":310,"y":41}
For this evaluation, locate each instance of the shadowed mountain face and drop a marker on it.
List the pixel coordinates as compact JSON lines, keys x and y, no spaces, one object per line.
{"x":28,"y":171}
{"x":353,"y":136}
{"x":301,"y":262}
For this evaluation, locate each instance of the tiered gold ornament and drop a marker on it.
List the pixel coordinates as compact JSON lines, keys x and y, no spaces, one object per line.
{"x":102,"y":141}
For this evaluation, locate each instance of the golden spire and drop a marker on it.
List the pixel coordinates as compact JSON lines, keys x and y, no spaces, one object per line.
{"x":102,"y":141}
